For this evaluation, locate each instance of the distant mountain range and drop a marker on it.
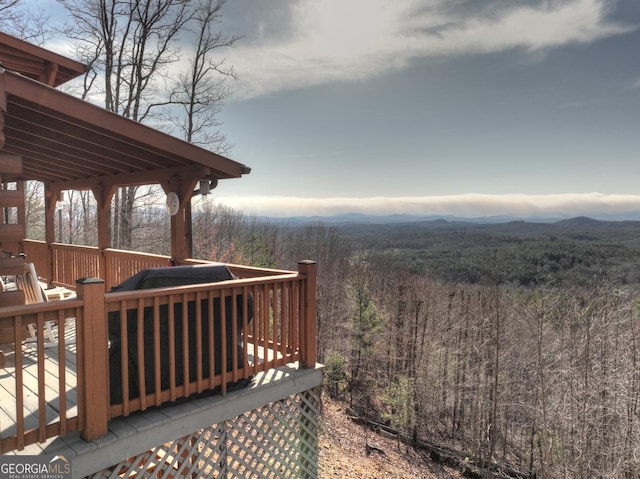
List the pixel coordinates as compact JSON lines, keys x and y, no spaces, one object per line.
{"x":580,"y":228}
{"x":359,"y":218}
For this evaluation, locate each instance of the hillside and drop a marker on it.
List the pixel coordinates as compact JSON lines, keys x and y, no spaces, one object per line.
{"x":580,"y":227}
{"x":567,"y":252}
{"x":343,"y":455}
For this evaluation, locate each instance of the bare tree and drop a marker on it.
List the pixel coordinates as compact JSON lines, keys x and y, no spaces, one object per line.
{"x":129,"y":44}
{"x":131,"y":47}
{"x":9,"y":11}
{"x":18,"y":20}
{"x":199,"y":93}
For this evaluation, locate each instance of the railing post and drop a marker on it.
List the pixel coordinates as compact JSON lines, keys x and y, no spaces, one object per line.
{"x":95,"y":358}
{"x":309,"y":328}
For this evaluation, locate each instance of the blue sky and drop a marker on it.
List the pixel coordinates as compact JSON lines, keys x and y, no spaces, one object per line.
{"x":467,"y":107}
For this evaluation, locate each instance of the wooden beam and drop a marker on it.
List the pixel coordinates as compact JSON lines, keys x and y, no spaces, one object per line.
{"x":11,"y":164}
{"x":3,"y":97}
{"x":49,"y":74}
{"x":75,"y":141}
{"x":11,"y":198}
{"x":161,"y":176}
{"x":51,"y":197}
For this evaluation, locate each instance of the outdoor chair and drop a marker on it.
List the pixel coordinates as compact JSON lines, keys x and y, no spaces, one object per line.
{"x":34,"y":293}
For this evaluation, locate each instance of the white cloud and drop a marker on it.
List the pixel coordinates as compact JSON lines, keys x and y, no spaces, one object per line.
{"x":465,"y":205}
{"x":347,"y":40}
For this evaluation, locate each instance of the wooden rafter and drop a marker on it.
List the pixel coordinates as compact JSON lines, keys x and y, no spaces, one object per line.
{"x":64,"y":139}
{"x":36,"y":62}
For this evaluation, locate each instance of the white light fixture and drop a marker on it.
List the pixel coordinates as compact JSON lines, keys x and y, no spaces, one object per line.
{"x":173,"y":203}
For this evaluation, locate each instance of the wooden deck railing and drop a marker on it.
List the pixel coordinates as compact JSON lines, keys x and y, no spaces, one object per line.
{"x":235,"y":330}
{"x":44,"y":401}
{"x":70,"y":262}
{"x":270,"y":313}
{"x":67,"y":263}
{"x":121,"y":265}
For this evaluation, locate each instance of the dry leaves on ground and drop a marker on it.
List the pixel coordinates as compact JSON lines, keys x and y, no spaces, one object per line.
{"x":343,"y":452}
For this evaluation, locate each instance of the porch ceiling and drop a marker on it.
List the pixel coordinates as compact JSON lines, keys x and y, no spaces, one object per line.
{"x":69,"y":143}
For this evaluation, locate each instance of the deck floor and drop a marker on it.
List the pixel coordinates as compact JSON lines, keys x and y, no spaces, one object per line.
{"x":30,"y":374}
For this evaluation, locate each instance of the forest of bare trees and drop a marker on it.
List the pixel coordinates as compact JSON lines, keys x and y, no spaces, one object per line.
{"x":541,"y":379}
{"x":545,"y":380}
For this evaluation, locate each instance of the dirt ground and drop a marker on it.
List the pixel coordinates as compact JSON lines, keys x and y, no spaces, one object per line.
{"x":343,"y":452}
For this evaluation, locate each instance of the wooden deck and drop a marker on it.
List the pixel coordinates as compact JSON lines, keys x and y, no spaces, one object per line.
{"x":51,"y":394}
{"x":32,"y":369}
{"x":144,"y":430}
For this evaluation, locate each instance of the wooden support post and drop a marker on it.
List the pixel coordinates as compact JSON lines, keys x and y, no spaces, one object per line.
{"x":308,"y":353}
{"x":181,"y":241}
{"x":179,"y":232}
{"x":3,"y":107}
{"x":50,"y":200}
{"x":21,"y":213}
{"x":12,"y":207}
{"x":103,"y":195}
{"x":95,"y":370}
